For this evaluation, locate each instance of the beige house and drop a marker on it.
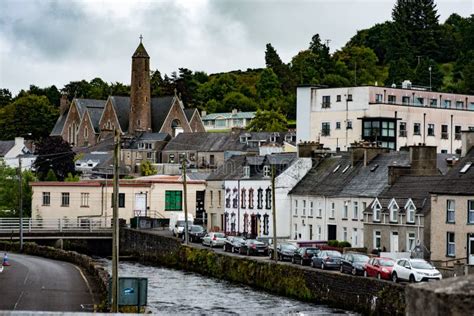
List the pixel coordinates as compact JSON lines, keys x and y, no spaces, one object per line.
{"x":155,"y":196}
{"x":214,"y":206}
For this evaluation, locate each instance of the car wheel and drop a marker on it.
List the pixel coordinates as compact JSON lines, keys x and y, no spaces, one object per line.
{"x":412,"y":278}
{"x":322,"y":266}
{"x":379,"y":276}
{"x":365,"y":273}
{"x":354,"y":271}
{"x":394,"y":277}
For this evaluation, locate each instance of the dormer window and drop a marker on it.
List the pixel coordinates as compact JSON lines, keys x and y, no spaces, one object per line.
{"x":411,"y":213}
{"x":377,"y":210}
{"x":394,"y":212}
{"x":243,"y":139}
{"x":246,"y":171}
{"x":266,"y":171}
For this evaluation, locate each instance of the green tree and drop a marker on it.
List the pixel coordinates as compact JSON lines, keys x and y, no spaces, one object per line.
{"x":119,"y":89}
{"x":30,"y":116}
{"x":51,"y":176}
{"x":71,"y":178}
{"x":361,"y":63}
{"x":268,"y":121}
{"x":422,"y":75}
{"x":56,"y":154}
{"x":5,"y":97}
{"x":377,"y":38}
{"x":274,"y":62}
{"x":236,"y":100}
{"x":147,"y":169}
{"x":468,"y":78}
{"x":399,"y":70}
{"x":268,"y":85}
{"x":10,"y":193}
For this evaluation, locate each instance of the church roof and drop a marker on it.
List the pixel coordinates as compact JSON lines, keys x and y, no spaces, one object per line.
{"x":58,"y":127}
{"x":122,"y":109}
{"x":6,"y":146}
{"x":160,"y":108}
{"x":140,"y":52}
{"x":189,"y":113}
{"x":95,"y":115}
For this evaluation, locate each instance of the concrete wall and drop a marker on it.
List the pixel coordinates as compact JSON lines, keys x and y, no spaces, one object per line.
{"x":334,"y":289}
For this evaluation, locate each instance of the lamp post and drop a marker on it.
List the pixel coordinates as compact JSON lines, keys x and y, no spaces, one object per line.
{"x":429,"y":68}
{"x":20,"y":179}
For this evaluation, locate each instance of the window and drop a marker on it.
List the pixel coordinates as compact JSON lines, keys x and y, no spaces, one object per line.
{"x":260,"y":198}
{"x":46,"y":198}
{"x":333,"y":210}
{"x":326,"y":101}
{"x":268,"y":198}
{"x":344,"y":233}
{"x":417,"y":129}
{"x":266,"y":223}
{"x":349,"y":124}
{"x":459,"y":104}
{"x":364,"y":206}
{"x":457,"y":132}
{"x":403,"y":129}
{"x":405,"y":100}
{"x":355,"y":237}
{"x":444,"y":131}
{"x":211,"y":198}
{"x":378,"y":98}
{"x":450,"y":209}
{"x":325,"y":129}
{"x":311,"y":208}
{"x":411,"y":214}
{"x":470,"y":211}
{"x":450,"y":245}
{"x":377,"y":239}
{"x":419,"y":101}
{"x":431,"y":129}
{"x":296,"y":231}
{"x":84,"y":199}
{"x":388,"y":129}
{"x":250,"y":198}
{"x":394,"y":213}
{"x":149,"y":156}
{"x":447,"y":104}
{"x":410,"y":241}
{"x":211,"y":160}
{"x":266,"y":171}
{"x":243,"y":194}
{"x":355,"y":210}
{"x":86,"y":132}
{"x":235,"y":198}
{"x":121,"y":200}
{"x":349,"y":97}
{"x":345,"y":210}
{"x":247,"y":171}
{"x":377,"y":211}
{"x":338,"y":98}
{"x":296,"y":207}
{"x":65,"y":199}
{"x":433,"y":103}
{"x":173,"y":200}
{"x":371,"y":128}
{"x":219,"y":197}
{"x":320,"y":212}
{"x":171,"y":158}
{"x":227,"y":198}
{"x":320,"y":232}
{"x":392,"y":99}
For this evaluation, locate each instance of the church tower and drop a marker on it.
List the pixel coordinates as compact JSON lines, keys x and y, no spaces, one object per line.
{"x":140,"y":96}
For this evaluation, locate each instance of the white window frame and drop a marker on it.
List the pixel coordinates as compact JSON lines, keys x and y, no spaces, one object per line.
{"x":450,"y":211}
{"x":311,"y":204}
{"x":344,"y":233}
{"x":470,"y":211}
{"x":355,"y":210}
{"x":332,"y":214}
{"x":410,"y":209}
{"x":411,"y":236}
{"x":377,"y":211}
{"x":84,"y":199}
{"x":46,"y":198}
{"x":345,"y":209}
{"x":296,"y":208}
{"x":393,"y":211}
{"x":266,"y":171}
{"x":377,"y":235}
{"x":450,"y":245}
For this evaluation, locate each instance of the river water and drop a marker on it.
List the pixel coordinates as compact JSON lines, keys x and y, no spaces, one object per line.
{"x":177,"y":292}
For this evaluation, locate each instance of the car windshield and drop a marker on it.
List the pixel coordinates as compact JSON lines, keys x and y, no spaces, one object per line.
{"x":360,"y":258}
{"x":421,"y":265}
{"x":181,"y":223}
{"x":312,"y":250}
{"x":288,"y":247}
{"x":219,"y":235}
{"x":333,"y":254}
{"x":196,"y":229}
{"x":386,"y":263}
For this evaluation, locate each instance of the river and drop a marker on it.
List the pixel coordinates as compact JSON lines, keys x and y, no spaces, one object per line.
{"x":178,"y":292}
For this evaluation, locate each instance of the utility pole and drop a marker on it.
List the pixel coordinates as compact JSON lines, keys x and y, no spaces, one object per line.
{"x":115,"y":225}
{"x":274,"y":215}
{"x":20,"y":178}
{"x":185,"y":194}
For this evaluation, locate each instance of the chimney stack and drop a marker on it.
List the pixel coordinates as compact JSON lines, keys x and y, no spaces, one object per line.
{"x":63,"y":104}
{"x":423,"y":160}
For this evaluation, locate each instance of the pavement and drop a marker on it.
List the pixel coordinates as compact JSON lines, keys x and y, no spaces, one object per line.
{"x":39,"y":284}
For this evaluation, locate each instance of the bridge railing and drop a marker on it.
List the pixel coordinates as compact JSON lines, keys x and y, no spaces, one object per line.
{"x":56,"y":224}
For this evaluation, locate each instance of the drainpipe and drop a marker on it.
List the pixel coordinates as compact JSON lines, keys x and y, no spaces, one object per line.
{"x":424,"y":128}
{"x":238,"y":206}
{"x":451,"y":136}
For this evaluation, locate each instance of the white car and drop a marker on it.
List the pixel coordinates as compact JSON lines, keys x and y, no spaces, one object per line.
{"x":414,"y":270}
{"x":214,"y":240}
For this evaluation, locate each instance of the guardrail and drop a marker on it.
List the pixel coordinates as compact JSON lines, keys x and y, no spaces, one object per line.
{"x":89,"y":224}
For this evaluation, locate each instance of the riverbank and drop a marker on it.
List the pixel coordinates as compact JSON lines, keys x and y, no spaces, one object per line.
{"x":364,"y":295}
{"x":97,"y":276}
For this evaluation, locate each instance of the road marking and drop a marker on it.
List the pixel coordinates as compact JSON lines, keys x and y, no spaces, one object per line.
{"x":18,"y":301}
{"x":26,"y":278}
{"x":87,"y":283}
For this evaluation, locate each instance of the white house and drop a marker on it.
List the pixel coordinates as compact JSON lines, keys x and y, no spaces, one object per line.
{"x":12,"y":150}
{"x":224,"y":121}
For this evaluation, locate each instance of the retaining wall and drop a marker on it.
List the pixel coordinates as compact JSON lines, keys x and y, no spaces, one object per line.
{"x":98,"y":274}
{"x":368,"y":296}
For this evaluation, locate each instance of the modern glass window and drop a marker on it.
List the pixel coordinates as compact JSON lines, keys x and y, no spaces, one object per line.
{"x":388,"y":129}
{"x":355,"y":210}
{"x":377,"y":239}
{"x":326,"y":101}
{"x":65,"y":199}
{"x":431,"y":129}
{"x":457,"y":132}
{"x":450,"y":244}
{"x":459,"y":104}
{"x":447,"y":104}
{"x":405,"y":100}
{"x":325,"y":129}
{"x":173,"y":200}
{"x":470,"y":211}
{"x":46,"y":198}
{"x":84,"y":199}
{"x":392,"y":99}
{"x":338,"y":125}
{"x":378,"y":98}
{"x":450,"y":211}
{"x":411,"y":238}
{"x":444,"y":132}
{"x":403,"y":129}
{"x":417,"y":129}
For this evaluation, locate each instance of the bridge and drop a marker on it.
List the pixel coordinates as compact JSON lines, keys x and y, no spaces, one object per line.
{"x":56,"y":228}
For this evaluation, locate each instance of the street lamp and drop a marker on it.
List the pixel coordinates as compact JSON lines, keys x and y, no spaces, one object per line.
{"x":429,"y":68}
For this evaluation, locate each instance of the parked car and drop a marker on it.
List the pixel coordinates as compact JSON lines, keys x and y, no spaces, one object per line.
{"x":304,"y":255}
{"x":196,"y":233}
{"x":253,"y":247}
{"x":327,"y":259}
{"x":233,"y":243}
{"x":284,"y":251}
{"x":414,"y":270}
{"x":214,"y":239}
{"x":353,"y":263}
{"x":381,"y":268}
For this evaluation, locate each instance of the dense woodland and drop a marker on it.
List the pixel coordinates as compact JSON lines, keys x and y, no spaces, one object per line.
{"x":401,"y":49}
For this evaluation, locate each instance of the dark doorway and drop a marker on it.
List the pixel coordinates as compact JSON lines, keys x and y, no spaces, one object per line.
{"x":332,"y":233}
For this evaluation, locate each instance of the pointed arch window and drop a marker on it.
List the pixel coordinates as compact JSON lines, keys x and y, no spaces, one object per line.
{"x":260,"y":198}
{"x":227,"y":198}
{"x":250,"y":198}
{"x":243,"y":195}
{"x":235,"y":198}
{"x":266,"y":224}
{"x":393,"y":211}
{"x":268,"y":198}
{"x":246,"y":223}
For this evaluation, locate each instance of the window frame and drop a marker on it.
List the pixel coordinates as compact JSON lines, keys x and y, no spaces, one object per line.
{"x":85,"y":199}
{"x":177,"y":195}
{"x":46,"y":199}
{"x":65,"y":197}
{"x":450,"y":245}
{"x":450,"y":211}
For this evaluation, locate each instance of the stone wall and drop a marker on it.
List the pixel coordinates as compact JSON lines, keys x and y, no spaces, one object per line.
{"x":368,"y":296}
{"x":98,"y":274}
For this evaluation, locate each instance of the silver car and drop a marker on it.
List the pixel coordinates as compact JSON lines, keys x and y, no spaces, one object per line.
{"x":214,"y":240}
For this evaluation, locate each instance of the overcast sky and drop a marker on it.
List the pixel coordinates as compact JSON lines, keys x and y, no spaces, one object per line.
{"x":54,"y":42}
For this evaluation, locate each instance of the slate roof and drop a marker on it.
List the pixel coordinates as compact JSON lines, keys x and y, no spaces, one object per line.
{"x":83,"y":104}
{"x":58,"y":127}
{"x":229,"y":115}
{"x":205,"y":142}
{"x":160,"y":108}
{"x":147,"y":137}
{"x":95,"y":115}
{"x":456,"y":182}
{"x":189,"y":113}
{"x":122,"y":109}
{"x":6,"y":146}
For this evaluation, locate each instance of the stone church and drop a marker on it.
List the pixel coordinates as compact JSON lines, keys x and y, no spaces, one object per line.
{"x":87,"y":122}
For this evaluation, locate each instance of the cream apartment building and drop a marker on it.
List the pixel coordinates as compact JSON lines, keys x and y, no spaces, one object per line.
{"x":154,"y":196}
{"x":393,"y":117}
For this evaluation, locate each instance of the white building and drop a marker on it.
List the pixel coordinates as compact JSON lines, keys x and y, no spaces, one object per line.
{"x":225,"y":121}
{"x":247,"y":193}
{"x":393,"y":117}
{"x":12,"y":150}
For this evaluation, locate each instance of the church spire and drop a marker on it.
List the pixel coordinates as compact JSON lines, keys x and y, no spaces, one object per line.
{"x":140,"y":52}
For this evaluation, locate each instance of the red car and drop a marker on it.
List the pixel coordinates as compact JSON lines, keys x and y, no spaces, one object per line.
{"x":380,"y":268}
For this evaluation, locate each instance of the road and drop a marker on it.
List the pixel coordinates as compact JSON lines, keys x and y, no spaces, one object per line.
{"x":39,"y":284}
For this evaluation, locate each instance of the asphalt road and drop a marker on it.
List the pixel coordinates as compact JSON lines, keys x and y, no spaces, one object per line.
{"x":39,"y":284}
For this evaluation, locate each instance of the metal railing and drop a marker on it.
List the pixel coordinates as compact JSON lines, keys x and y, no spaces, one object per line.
{"x":84,"y":224}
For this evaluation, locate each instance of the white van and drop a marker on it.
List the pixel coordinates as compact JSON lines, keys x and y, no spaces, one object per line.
{"x":177,"y":223}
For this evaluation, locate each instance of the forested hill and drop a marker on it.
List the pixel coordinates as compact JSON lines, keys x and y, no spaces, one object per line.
{"x":404,"y":48}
